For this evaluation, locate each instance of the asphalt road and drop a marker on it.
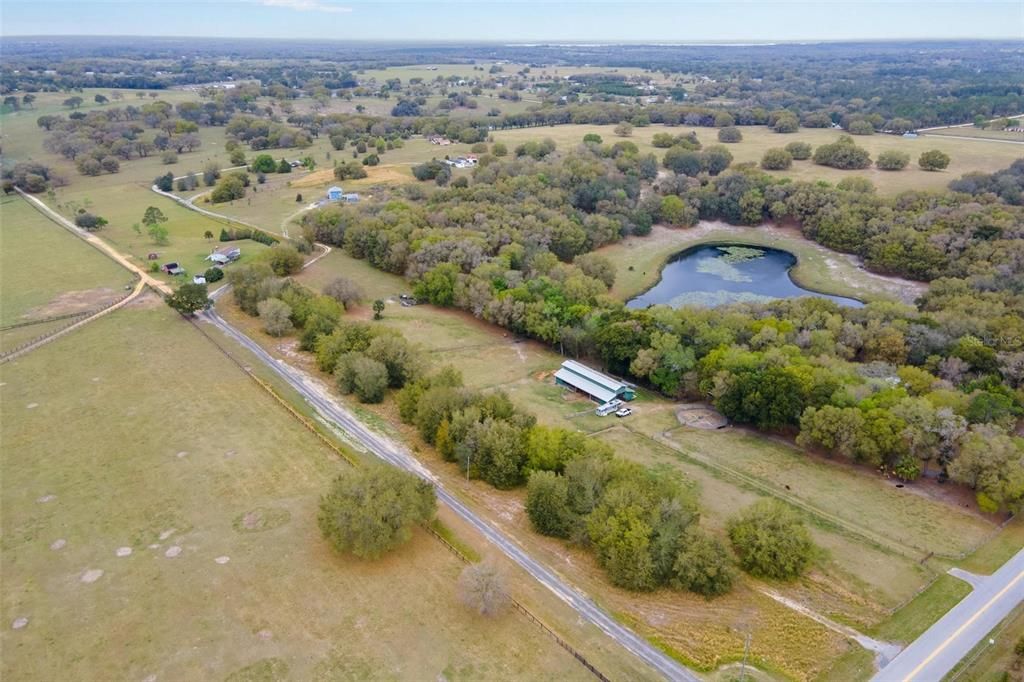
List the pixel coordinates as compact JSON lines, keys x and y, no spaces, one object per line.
{"x":943,"y":645}
{"x":399,"y":457}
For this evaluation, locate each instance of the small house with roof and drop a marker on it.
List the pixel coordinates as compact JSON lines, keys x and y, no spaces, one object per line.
{"x":334,"y":193}
{"x":225,"y":255}
{"x":597,"y":386}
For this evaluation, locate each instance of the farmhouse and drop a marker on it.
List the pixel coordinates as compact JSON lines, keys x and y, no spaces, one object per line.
{"x":225,"y":255}
{"x":334,"y":193}
{"x":598,"y":386}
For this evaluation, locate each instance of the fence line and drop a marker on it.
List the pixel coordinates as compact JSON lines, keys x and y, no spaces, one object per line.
{"x":78,"y":318}
{"x":309,"y":424}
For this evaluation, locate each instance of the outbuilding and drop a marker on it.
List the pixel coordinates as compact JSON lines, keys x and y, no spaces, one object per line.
{"x":599,"y":387}
{"x":334,"y":194}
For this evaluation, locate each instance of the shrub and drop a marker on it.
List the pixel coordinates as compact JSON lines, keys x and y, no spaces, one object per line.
{"x":933,"y":160}
{"x":284,"y":259}
{"x":771,"y":541}
{"x":800,"y":151}
{"x":90,"y":222}
{"x":371,"y":160}
{"x":168,"y":157}
{"x":730,"y":134}
{"x":843,"y":154}
{"x":228,"y":188}
{"x":787,"y":123}
{"x":892,"y":160}
{"x":373,"y":509}
{"x":367,"y":378}
{"x":276,"y":316}
{"x":861,"y":127}
{"x":213,"y":275}
{"x":702,"y":565}
{"x":776,"y":159}
{"x":344,"y":291}
{"x":482,"y":588}
{"x":623,"y":129}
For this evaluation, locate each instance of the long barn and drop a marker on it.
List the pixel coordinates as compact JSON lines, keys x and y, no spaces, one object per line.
{"x":598,"y":386}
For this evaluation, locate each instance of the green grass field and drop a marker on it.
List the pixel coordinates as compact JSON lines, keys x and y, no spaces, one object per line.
{"x":1001,"y":135}
{"x":46,"y":271}
{"x":967,"y":155}
{"x":152,"y":440}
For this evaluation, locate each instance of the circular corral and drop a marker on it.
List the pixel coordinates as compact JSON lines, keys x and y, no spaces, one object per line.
{"x":700,"y":416}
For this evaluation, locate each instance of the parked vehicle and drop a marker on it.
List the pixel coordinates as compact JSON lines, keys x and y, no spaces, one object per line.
{"x":624,"y":412}
{"x":607,"y":408}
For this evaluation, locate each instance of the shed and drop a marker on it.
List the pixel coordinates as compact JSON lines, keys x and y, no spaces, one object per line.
{"x":350,"y":197}
{"x":334,"y":194}
{"x":173,"y":269}
{"x":598,"y":386}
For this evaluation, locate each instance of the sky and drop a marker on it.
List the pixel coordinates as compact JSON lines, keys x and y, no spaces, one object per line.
{"x":522,"y":20}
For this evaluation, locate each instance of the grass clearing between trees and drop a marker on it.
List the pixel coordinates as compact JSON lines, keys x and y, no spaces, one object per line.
{"x":967,"y":155}
{"x":168,"y":447}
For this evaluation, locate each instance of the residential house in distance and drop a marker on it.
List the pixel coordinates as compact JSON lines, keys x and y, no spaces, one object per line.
{"x":337,"y":194}
{"x":334,"y":193}
{"x":225,"y":254}
{"x":600,"y":387}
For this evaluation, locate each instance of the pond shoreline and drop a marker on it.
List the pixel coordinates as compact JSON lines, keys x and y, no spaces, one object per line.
{"x":790,"y":272}
{"x":818,"y":269}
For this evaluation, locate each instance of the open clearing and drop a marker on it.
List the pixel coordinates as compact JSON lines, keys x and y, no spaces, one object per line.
{"x":45,"y":271}
{"x":93,"y":467}
{"x":967,"y":155}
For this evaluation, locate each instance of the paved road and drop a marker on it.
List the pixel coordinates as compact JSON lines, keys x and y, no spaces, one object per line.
{"x":943,"y":645}
{"x":972,"y":139}
{"x":401,"y":458}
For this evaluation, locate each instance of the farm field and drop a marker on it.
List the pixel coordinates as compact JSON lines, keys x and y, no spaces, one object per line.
{"x":856,"y":517}
{"x":979,"y":133}
{"x":967,"y":155}
{"x":45,"y":271}
{"x":227,"y":574}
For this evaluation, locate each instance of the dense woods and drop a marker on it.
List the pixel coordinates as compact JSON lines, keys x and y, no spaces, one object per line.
{"x":896,"y":387}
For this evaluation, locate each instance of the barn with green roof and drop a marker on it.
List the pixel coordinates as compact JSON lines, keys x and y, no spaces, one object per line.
{"x":597,"y":386}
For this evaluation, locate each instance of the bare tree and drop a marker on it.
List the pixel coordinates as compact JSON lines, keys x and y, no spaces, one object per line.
{"x":482,"y":588}
{"x":344,"y":291}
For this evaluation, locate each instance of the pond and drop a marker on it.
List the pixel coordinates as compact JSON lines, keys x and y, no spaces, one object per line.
{"x":713,"y":274}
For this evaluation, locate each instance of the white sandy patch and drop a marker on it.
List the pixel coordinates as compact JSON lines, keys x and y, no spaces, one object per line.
{"x":155,"y":545}
{"x":123,"y":551}
{"x":265,"y":635}
{"x":172,"y":552}
{"x":222,"y":560}
{"x":31,"y":406}
{"x":59,"y":544}
{"x":167,"y":533}
{"x":46,"y":498}
{"x":181,"y":454}
{"x":19,"y":623}
{"x":92,"y":575}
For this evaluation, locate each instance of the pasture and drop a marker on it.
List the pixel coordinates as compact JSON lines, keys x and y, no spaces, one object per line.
{"x":46,"y":271}
{"x":159,"y":519}
{"x":861,"y":521}
{"x":967,"y":155}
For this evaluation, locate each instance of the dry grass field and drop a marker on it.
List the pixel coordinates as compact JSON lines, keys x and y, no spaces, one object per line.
{"x":159,"y":520}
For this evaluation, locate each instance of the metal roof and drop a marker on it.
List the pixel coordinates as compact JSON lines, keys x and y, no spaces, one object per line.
{"x":593,"y":376}
{"x":582,"y":383}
